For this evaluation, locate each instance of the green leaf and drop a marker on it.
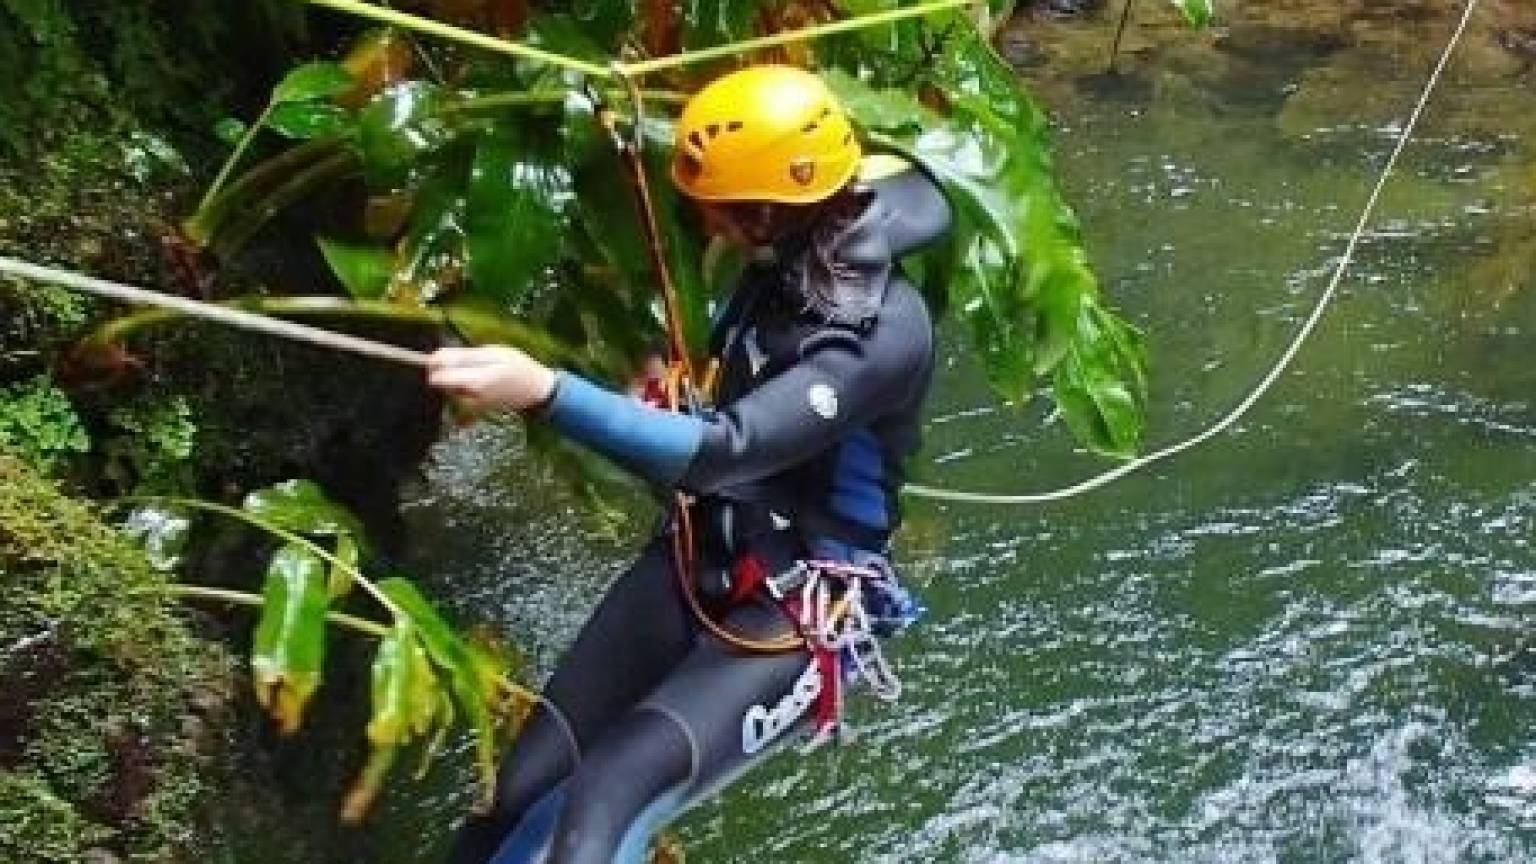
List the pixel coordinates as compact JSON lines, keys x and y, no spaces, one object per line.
{"x":400,"y":128}
{"x":343,"y":572}
{"x":301,"y":506}
{"x":312,"y":81}
{"x":305,"y":120}
{"x":289,"y":650}
{"x":407,"y":703}
{"x":362,"y":269}
{"x":230,"y":130}
{"x":715,"y":22}
{"x":452,"y":655}
{"x":1015,"y":268}
{"x":892,"y":111}
{"x":606,"y":21}
{"x":432,"y":255}
{"x":519,"y":189}
{"x":1197,"y":13}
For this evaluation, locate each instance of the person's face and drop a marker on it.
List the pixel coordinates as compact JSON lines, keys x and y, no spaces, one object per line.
{"x":744,"y":224}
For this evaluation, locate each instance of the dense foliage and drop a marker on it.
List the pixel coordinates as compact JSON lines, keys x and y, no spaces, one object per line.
{"x":426,"y":679}
{"x":434,"y":174}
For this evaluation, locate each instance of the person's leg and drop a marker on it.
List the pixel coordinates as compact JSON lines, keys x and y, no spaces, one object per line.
{"x":699,"y":729}
{"x":634,"y":638}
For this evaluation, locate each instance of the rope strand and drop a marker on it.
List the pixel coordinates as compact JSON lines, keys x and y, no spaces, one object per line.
{"x":213,"y":312}
{"x":1268,"y":381}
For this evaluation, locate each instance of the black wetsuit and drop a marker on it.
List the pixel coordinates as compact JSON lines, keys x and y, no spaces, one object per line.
{"x":828,"y":352}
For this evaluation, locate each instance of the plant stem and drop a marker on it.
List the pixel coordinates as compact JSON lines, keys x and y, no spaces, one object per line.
{"x":281,"y":533}
{"x":351,"y":622}
{"x":540,"y":97}
{"x":462,"y":36}
{"x":804,"y":34}
{"x":234,"y":156}
{"x":209,"y":216}
{"x":257,"y":213}
{"x":1125,"y":18}
{"x":244,"y":598}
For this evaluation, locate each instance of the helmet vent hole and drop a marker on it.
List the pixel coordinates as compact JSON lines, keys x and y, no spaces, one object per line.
{"x":713,"y":129}
{"x":695,"y":140}
{"x":733,"y":126}
{"x":809,"y":127}
{"x":847,"y":139}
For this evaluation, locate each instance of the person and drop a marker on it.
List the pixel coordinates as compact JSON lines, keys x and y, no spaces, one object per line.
{"x":825,"y":352}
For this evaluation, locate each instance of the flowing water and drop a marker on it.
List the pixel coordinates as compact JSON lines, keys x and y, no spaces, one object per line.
{"x":1305,"y":642}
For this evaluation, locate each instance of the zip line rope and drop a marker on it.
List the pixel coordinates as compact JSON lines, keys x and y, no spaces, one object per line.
{"x":238,"y":318}
{"x":1268,"y":381}
{"x":639,"y":67}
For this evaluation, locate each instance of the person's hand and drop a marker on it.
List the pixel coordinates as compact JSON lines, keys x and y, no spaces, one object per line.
{"x":491,"y":377}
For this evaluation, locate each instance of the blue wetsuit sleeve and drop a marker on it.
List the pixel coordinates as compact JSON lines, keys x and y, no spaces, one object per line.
{"x":839,"y":386}
{"x":656,"y":444}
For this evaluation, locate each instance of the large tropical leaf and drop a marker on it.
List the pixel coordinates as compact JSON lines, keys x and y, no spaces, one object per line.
{"x":474,"y":699}
{"x":1015,"y":267}
{"x":401,"y":128}
{"x":301,"y":506}
{"x":407,"y":704}
{"x":362,"y":269}
{"x":515,"y":221}
{"x":289,"y":650}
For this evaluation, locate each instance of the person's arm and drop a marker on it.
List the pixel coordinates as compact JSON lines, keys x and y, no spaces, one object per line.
{"x":840,"y":384}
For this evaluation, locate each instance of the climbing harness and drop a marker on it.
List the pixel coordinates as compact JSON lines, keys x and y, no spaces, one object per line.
{"x":840,"y":612}
{"x":1228,"y":420}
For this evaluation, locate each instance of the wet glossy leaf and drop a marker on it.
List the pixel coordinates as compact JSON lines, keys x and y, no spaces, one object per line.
{"x":1015,"y":268}
{"x":230,"y":130}
{"x":362,"y":269}
{"x":1098,"y":384}
{"x":432,"y":255}
{"x":1197,"y":12}
{"x":301,"y":506}
{"x":312,"y":81}
{"x":452,"y":656}
{"x":305,"y":120}
{"x":404,"y":688}
{"x":289,"y":649}
{"x":519,"y":189}
{"x":406,"y":704}
{"x":379,"y":58}
{"x":401,"y":126}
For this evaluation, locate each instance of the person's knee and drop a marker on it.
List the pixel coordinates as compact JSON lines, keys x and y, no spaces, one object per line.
{"x":629,"y":785}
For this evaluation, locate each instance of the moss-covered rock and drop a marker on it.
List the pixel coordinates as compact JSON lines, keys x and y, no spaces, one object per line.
{"x":111,"y":703}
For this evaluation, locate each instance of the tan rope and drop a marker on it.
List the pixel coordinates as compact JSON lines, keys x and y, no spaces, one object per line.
{"x":238,"y":318}
{"x":1278,"y":369}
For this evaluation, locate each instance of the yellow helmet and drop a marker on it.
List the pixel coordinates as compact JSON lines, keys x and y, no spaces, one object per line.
{"x":769,"y":133}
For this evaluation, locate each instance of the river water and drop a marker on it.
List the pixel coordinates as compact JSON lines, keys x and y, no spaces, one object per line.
{"x":1305,"y":642}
